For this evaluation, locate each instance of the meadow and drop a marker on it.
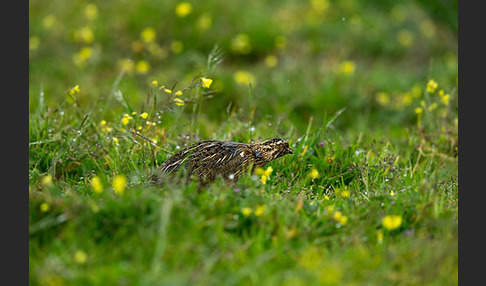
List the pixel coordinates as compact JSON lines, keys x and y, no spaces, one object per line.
{"x":365,"y":92}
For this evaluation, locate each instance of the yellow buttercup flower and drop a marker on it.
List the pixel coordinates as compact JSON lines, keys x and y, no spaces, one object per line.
{"x":179,"y":102}
{"x":405,"y":38}
{"x":264,"y":179}
{"x":271,"y":61}
{"x":80,"y":257}
{"x":47,"y":180}
{"x":347,"y":67}
{"x":155,"y":83}
{"x":91,"y":11}
{"x":260,"y":171}
{"x":379,"y":236}
{"x":392,"y":222}
{"x":206,"y":82}
{"x":96,"y":185}
{"x":176,"y":47}
{"x":85,"y":35}
{"x":183,"y":9}
{"x":260,"y":210}
{"x":340,"y":218}
{"x":246,"y":211}
{"x":142,"y":67}
{"x":44,"y":207}
{"x":48,"y":21}
{"x":313,"y":174}
{"x":119,"y":184}
{"x":432,"y":86}
{"x":148,"y":35}
{"x":144,"y":115}
{"x":244,"y":78}
{"x":241,"y":44}
{"x":178,"y":93}
{"x":34,"y":43}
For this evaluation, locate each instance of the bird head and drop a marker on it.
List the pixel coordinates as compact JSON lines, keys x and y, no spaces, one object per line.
{"x":271,"y":149}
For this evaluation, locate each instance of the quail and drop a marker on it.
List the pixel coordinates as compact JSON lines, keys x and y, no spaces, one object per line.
{"x":210,"y":159}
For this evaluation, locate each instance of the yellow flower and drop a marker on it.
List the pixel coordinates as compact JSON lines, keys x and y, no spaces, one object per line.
{"x":144,"y":115}
{"x":427,"y":28}
{"x":432,"y":86}
{"x":115,"y":140}
{"x":264,"y":179}
{"x":326,"y":197}
{"x":418,"y":110}
{"x":74,"y":90}
{"x":34,"y":43}
{"x":85,"y":53}
{"x":48,"y":21}
{"x":330,"y":209}
{"x":344,"y":193}
{"x":271,"y":61}
{"x":142,"y":67}
{"x":183,"y":9}
{"x":314,"y":174}
{"x":260,"y":171}
{"x":44,"y":207}
{"x":96,"y":185}
{"x":405,"y":38}
{"x":347,"y":67}
{"x":241,"y":44}
{"x":379,"y":236}
{"x":206,"y":82}
{"x":155,"y":83}
{"x":148,"y":35}
{"x":80,"y":257}
{"x":246,"y":211}
{"x":84,"y":34}
{"x":445,"y":99}
{"x":383,"y":98}
{"x":126,"y":65}
{"x":82,"y":56}
{"x":166,"y":90}
{"x":91,"y":11}
{"x":47,"y":180}
{"x":244,"y":78}
{"x":178,"y":93}
{"x":176,"y":47}
{"x":280,"y":42}
{"x":340,"y":218}
{"x":119,"y":184}
{"x":125,"y":120}
{"x":204,"y":22}
{"x":260,"y":210}
{"x":392,"y":222}
{"x":392,"y":193}
{"x":179,"y":102}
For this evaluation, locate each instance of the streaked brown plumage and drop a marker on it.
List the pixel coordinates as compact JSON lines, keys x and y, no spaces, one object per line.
{"x":210,"y":159}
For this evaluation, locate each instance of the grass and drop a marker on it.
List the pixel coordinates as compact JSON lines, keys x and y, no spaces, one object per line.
{"x":373,"y":139}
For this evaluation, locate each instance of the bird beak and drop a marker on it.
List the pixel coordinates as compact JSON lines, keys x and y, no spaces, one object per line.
{"x":290,"y":151}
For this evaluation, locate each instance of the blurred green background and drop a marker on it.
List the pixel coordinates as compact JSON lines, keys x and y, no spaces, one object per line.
{"x":303,"y":58}
{"x":389,"y":69}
